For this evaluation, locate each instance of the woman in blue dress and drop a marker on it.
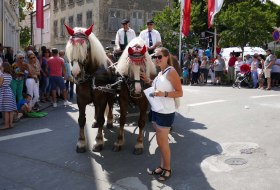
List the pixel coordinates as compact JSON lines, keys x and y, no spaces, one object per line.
{"x":7,"y":98}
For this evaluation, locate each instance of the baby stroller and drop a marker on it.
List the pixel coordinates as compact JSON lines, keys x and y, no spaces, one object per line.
{"x":243,"y":76}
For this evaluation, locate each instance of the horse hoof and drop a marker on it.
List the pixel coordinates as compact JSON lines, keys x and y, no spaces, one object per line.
{"x":138,"y":151}
{"x":109,"y":125}
{"x":94,"y":125}
{"x":97,"y":148}
{"x":81,"y":150}
{"x":117,"y":148}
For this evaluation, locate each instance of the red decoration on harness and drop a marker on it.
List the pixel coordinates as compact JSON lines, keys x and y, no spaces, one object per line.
{"x":136,"y":54}
{"x":69,"y":30}
{"x":89,"y":30}
{"x":75,"y":41}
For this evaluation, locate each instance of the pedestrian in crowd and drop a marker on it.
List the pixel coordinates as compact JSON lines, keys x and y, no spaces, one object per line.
{"x":124,"y":36}
{"x":56,"y":71}
{"x":18,"y":71}
{"x":32,"y":81}
{"x":204,"y":70}
{"x":7,"y":98}
{"x":187,"y":64}
{"x":10,"y":55}
{"x":248,"y":59}
{"x":2,"y":53}
{"x":238,"y":63}
{"x":151,"y":37}
{"x":269,"y":61}
{"x":275,"y":73}
{"x":195,"y":73}
{"x":231,"y":67}
{"x":23,"y":105}
{"x":261,"y":59}
{"x":167,"y":86}
{"x":254,"y":70}
{"x":185,"y":75}
{"x":212,"y":72}
{"x":219,"y":68}
{"x":69,"y":83}
{"x":44,"y":79}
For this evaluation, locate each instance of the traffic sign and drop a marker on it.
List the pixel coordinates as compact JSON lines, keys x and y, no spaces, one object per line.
{"x":276,"y":35}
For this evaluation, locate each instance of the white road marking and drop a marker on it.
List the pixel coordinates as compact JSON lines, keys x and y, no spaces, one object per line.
{"x":265,"y":96}
{"x":205,"y":103}
{"x":35,"y":132}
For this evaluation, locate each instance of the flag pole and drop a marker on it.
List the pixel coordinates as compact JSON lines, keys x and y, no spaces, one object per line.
{"x":215,"y":41}
{"x":180,"y":31}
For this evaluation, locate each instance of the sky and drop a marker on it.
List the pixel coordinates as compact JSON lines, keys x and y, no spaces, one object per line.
{"x":276,"y":2}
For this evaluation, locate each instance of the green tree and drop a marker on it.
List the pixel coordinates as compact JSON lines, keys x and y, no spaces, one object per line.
{"x":245,"y":22}
{"x":25,"y":32}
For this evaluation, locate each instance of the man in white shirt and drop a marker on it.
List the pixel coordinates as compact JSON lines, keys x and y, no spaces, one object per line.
{"x":151,"y":37}
{"x":124,"y":35}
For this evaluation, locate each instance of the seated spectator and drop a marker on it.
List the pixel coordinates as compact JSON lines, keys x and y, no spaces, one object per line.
{"x":23,"y":106}
{"x":238,"y":63}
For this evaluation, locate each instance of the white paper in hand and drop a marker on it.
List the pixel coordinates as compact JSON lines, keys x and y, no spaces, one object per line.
{"x":155,"y":102}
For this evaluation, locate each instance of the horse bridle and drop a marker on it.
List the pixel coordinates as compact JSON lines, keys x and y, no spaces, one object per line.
{"x":84,"y":76}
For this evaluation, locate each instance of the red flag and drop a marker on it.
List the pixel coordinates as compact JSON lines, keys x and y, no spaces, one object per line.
{"x":214,"y":6}
{"x":40,"y":13}
{"x":186,"y":17}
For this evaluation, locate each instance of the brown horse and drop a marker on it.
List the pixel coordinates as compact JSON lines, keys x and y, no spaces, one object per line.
{"x":135,"y":59}
{"x":92,"y":76}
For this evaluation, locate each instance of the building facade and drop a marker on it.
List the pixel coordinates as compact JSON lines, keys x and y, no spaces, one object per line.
{"x":106,"y":16}
{"x":9,"y":24}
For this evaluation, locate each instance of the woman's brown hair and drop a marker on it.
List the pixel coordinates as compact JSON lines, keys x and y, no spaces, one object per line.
{"x":165,"y":52}
{"x":6,"y":67}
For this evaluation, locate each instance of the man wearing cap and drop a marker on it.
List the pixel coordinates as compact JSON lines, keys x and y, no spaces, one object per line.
{"x":151,"y":37}
{"x":269,"y":61}
{"x":124,"y":35}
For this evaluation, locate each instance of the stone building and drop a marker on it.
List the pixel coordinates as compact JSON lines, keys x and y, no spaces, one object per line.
{"x":106,"y":16}
{"x":9,"y":24}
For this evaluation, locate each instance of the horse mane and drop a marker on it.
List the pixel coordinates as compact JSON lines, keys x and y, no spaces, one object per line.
{"x":79,"y":51}
{"x":123,"y":63}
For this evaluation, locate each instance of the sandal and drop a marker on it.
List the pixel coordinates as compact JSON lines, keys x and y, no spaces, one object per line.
{"x":155,"y":171}
{"x":163,"y":176}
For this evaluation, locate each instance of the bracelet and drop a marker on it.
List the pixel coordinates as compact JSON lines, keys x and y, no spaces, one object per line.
{"x":165,"y":94}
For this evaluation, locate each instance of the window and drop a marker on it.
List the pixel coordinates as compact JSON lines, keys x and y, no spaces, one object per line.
{"x":70,"y":2}
{"x":62,"y":4}
{"x":55,"y":29}
{"x":115,"y":18}
{"x":79,"y":20}
{"x":137,"y":20}
{"x":89,"y":19}
{"x":71,"y":21}
{"x":55,"y":6}
{"x":62,"y":28}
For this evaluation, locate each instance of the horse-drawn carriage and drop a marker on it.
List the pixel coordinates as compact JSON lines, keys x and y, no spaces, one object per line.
{"x":98,"y":81}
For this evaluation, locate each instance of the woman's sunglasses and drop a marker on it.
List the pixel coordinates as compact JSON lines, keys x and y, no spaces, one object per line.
{"x":31,"y":57}
{"x":157,"y":57}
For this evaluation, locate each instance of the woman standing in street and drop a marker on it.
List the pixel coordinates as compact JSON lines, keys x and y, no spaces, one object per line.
{"x":167,"y":86}
{"x":7,"y":98}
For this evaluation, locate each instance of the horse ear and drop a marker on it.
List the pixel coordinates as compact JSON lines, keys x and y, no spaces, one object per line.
{"x":130,"y":51}
{"x":89,"y":30}
{"x":144,"y":49}
{"x":69,"y":30}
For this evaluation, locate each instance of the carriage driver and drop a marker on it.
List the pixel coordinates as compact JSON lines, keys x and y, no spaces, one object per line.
{"x":124,"y":36}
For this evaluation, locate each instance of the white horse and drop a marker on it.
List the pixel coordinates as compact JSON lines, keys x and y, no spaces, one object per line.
{"x":134,"y":60}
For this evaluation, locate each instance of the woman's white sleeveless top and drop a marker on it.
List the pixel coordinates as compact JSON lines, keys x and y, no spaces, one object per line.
{"x":161,"y":83}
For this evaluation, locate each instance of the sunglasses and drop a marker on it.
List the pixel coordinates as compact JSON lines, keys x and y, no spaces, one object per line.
{"x":157,"y":57}
{"x":31,"y":57}
{"x":21,"y":57}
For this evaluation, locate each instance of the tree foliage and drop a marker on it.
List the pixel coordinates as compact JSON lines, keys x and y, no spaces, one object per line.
{"x":245,"y":22}
{"x":25,"y":36}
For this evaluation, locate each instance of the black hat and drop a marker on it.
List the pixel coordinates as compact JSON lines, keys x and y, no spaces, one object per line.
{"x":125,"y":21}
{"x":150,"y":21}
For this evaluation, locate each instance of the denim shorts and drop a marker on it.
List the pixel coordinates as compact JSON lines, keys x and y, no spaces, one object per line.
{"x":57,"y":82}
{"x":163,"y":120}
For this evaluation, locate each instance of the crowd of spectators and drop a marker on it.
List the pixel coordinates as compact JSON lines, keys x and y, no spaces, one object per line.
{"x":198,"y":67}
{"x":30,"y":78}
